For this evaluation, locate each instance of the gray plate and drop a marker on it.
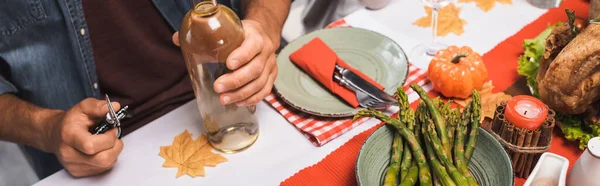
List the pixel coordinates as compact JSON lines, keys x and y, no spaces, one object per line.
{"x":375,"y":55}
{"x":490,"y":165}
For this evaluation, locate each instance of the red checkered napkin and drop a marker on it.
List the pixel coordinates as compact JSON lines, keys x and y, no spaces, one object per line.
{"x":320,"y":130}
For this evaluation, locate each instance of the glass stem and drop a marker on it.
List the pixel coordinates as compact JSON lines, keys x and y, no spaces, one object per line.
{"x":434,"y":23}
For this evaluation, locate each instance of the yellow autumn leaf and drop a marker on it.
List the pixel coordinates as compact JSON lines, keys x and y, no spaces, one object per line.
{"x":486,"y":5}
{"x":190,"y":156}
{"x":490,"y":102}
{"x":448,"y":20}
{"x":486,"y":89}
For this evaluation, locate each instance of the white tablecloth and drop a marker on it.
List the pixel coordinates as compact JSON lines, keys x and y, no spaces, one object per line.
{"x":281,"y":150}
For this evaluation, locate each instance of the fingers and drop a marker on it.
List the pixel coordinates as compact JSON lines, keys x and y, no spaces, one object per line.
{"x":88,"y":143}
{"x":252,"y":46}
{"x":81,"y":169}
{"x":253,"y":88}
{"x":95,"y":108}
{"x":254,"y":99}
{"x":176,"y":38}
{"x":241,"y":76}
{"x":105,"y":158}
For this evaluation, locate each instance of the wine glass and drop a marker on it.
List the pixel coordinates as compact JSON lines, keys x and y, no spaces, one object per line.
{"x":423,"y":53}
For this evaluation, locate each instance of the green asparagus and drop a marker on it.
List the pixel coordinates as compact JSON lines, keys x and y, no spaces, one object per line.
{"x":440,"y":123}
{"x":461,"y":132}
{"x":458,"y":178}
{"x":417,"y":152}
{"x":407,"y":156}
{"x":391,"y":176}
{"x":411,"y":177}
{"x":475,"y":117}
{"x":407,"y":116}
{"x":438,"y":168}
{"x":459,"y":159}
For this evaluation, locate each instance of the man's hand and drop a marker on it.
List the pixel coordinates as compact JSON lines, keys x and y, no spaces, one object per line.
{"x":80,"y":152}
{"x":253,"y":64}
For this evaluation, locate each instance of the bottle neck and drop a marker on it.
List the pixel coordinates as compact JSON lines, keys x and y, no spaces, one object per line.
{"x":205,"y":8}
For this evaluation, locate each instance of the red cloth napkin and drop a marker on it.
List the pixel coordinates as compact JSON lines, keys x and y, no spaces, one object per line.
{"x":318,"y":60}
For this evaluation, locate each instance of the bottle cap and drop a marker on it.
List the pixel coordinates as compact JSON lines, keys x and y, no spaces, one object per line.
{"x":594,"y":146}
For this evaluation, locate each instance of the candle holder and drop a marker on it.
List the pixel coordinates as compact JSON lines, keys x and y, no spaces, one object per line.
{"x":524,"y":146}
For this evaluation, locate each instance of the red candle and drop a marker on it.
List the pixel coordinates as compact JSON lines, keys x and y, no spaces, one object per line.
{"x":526,"y":112}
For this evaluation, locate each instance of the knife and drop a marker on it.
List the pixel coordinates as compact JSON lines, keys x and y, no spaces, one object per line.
{"x":358,"y":83}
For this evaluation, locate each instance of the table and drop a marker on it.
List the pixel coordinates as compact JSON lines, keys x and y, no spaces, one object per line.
{"x":282,"y":155}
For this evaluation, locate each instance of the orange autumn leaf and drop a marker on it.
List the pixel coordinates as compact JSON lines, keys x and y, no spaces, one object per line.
{"x":490,"y":102}
{"x":190,"y":156}
{"x":486,"y":5}
{"x":448,"y":20}
{"x":486,"y":89}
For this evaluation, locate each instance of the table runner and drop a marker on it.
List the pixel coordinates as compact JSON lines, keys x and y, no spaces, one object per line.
{"x":338,"y":167}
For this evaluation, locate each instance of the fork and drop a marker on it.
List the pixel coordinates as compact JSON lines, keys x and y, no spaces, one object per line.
{"x":364,"y":100}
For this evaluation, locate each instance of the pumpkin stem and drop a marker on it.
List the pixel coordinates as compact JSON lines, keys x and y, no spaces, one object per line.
{"x":456,"y":58}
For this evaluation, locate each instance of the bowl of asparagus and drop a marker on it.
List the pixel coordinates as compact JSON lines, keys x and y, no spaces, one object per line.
{"x":433,"y":144}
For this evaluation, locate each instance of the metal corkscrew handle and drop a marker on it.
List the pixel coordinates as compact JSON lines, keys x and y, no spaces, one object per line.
{"x":112,"y":120}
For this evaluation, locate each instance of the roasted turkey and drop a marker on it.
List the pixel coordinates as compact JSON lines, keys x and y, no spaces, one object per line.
{"x":569,"y":75}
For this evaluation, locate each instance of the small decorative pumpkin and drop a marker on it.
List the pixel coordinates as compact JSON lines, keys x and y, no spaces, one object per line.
{"x":455,"y":71}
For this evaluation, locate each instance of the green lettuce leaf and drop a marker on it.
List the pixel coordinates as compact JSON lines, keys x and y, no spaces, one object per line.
{"x":529,"y":62}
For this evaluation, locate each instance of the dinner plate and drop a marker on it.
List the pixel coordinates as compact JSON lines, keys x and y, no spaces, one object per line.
{"x":490,"y":165}
{"x":375,"y":55}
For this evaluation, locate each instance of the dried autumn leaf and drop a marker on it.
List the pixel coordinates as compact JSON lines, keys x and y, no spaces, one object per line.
{"x":485,"y":90}
{"x":448,"y":20}
{"x":490,"y":102}
{"x":486,"y":5}
{"x":508,"y":2}
{"x":190,"y":156}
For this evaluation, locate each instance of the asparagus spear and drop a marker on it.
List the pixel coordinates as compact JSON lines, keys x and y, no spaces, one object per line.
{"x":461,"y":132}
{"x":453,"y":122}
{"x":411,"y":177}
{"x":440,"y":123}
{"x":476,"y":107}
{"x":458,"y":178}
{"x":440,"y":171}
{"x":417,"y":152}
{"x":413,"y":172}
{"x":459,"y":159}
{"x":409,"y":118}
{"x":392,"y":172}
{"x":406,"y":116}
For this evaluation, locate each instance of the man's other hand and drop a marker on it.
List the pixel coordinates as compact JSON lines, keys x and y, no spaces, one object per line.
{"x":80,"y":152}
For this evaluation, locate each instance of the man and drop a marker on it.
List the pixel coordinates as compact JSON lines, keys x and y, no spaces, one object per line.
{"x":58,"y":57}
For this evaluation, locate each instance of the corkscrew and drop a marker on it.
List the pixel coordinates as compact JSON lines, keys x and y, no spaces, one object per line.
{"x":112,"y":120}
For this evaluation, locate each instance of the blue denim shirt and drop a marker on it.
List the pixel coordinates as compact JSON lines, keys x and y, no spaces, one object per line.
{"x":46,"y":56}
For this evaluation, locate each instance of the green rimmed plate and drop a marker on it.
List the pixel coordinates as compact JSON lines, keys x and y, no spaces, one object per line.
{"x":375,"y":55}
{"x":490,"y":165}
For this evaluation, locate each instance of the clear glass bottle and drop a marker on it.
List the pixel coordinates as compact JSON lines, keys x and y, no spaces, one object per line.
{"x":208,"y":34}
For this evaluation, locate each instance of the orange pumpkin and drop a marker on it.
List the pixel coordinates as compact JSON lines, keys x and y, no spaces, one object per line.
{"x":455,"y":71}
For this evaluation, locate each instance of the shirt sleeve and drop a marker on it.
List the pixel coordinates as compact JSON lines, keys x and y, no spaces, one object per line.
{"x":5,"y":85}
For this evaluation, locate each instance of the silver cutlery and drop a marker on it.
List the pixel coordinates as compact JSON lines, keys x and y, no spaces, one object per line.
{"x":367,"y":94}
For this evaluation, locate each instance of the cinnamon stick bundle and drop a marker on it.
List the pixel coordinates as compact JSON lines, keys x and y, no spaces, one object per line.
{"x":507,"y":133}
{"x":519,"y":140}
{"x":545,"y":136}
{"x":498,"y":119}
{"x":522,"y":160}
{"x":529,"y":163}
